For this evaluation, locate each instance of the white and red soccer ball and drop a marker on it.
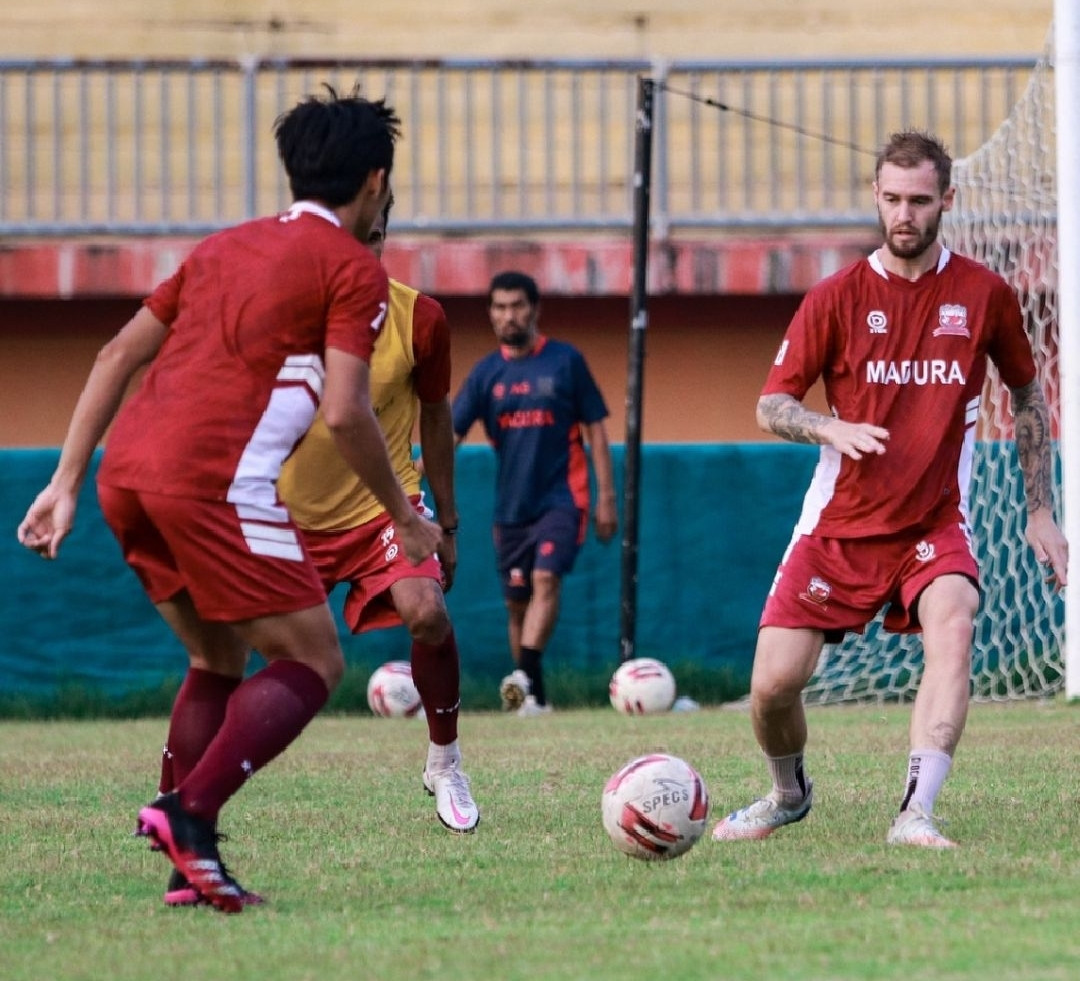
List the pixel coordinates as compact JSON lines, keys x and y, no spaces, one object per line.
{"x":655,"y":808}
{"x":642,"y":686}
{"x":391,"y":692}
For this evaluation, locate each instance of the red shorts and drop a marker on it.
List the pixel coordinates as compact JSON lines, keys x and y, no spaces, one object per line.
{"x":839,"y":584}
{"x":370,"y":561}
{"x":233,"y":570}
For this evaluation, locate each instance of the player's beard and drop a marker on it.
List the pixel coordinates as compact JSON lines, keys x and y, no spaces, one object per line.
{"x":916,"y":247}
{"x":517,"y":336}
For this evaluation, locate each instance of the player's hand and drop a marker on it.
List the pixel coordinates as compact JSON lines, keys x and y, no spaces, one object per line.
{"x":448,"y":560}
{"x":419,"y":537}
{"x":1050,"y":547}
{"x":606,"y":519}
{"x":855,"y":439}
{"x":48,"y":521}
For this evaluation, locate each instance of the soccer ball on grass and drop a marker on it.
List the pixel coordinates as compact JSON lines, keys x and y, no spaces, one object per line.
{"x":391,"y":692}
{"x":655,"y":807}
{"x":642,"y":686}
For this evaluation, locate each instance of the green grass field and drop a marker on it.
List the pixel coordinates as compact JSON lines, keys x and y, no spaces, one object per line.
{"x":364,"y":883}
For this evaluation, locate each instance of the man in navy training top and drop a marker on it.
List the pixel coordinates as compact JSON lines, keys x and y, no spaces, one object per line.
{"x":540,"y":408}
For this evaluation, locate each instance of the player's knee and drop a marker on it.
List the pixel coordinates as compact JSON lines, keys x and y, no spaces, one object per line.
{"x":329,"y":667}
{"x":545,"y":582}
{"x":429,"y":623}
{"x":951,"y":631}
{"x":229,"y":662}
{"x":332,"y":673}
{"x":775,"y":691}
{"x":775,"y":682}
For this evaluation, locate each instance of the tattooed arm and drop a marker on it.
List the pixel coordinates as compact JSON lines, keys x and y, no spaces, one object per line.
{"x":1032,"y":424}
{"x":785,"y":416}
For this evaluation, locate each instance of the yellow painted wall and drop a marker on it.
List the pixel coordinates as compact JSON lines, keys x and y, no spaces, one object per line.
{"x":758,"y":29}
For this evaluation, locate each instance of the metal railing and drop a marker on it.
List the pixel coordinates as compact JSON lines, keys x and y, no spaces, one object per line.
{"x":115,"y":147}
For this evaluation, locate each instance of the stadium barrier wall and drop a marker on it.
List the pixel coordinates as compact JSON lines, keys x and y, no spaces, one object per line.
{"x":714,"y":522}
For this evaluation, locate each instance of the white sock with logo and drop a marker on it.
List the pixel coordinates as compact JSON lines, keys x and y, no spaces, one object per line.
{"x":927,"y":770}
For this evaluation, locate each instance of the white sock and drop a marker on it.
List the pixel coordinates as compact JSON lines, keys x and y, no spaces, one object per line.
{"x":443,"y":757}
{"x":789,"y":780}
{"x":927,"y":770}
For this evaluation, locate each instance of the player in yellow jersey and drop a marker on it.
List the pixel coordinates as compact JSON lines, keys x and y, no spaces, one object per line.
{"x":351,"y":537}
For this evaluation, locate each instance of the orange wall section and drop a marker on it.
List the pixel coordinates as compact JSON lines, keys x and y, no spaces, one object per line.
{"x":705,"y":358}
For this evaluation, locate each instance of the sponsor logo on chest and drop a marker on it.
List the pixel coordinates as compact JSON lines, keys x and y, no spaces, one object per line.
{"x":926,"y":371}
{"x":952,"y":322}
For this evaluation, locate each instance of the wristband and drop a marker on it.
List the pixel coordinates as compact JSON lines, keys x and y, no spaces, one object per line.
{"x":449,"y":532}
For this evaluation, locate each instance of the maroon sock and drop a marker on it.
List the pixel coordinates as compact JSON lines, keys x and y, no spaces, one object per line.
{"x":265,"y":714}
{"x":197,"y":714}
{"x":436,"y":672}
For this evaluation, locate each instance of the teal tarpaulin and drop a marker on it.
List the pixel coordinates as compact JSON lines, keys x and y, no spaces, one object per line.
{"x":714,"y":522}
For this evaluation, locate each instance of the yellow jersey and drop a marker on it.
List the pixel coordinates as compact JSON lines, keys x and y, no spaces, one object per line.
{"x":410,"y":364}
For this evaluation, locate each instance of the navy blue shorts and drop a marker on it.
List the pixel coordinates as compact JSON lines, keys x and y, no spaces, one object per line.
{"x":551,"y":543}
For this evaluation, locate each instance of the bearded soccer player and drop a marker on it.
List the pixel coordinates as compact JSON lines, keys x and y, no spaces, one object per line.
{"x":349,"y":534}
{"x":261,"y":325}
{"x":901,"y":341}
{"x":540,"y":408}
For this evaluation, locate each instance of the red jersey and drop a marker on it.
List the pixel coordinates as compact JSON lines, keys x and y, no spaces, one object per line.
{"x":911,"y":357}
{"x":239,"y":378}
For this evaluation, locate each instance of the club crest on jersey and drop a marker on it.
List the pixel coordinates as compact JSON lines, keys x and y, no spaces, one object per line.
{"x":952,"y":321}
{"x":877,"y":322}
{"x":817,"y":591}
{"x":924,"y":551}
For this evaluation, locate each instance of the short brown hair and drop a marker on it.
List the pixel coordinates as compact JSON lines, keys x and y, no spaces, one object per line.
{"x":910,"y":148}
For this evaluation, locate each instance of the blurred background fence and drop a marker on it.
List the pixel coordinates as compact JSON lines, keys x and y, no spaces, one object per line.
{"x":162,"y":147}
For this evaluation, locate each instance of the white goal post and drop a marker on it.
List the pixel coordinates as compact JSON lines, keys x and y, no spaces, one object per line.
{"x":1013,"y":215}
{"x":1067,"y":75}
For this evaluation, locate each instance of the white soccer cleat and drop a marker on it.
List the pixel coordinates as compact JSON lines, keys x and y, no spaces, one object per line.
{"x":531,"y":707}
{"x":915,"y":827}
{"x":514,"y":689}
{"x":762,"y":818}
{"x":453,"y":799}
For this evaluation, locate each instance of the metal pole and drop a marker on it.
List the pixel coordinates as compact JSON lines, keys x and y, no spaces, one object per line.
{"x":638,"y":322}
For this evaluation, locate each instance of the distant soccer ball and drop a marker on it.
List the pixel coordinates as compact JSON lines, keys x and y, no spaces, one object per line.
{"x":642,"y":686}
{"x":655,"y":807}
{"x":391,"y":692}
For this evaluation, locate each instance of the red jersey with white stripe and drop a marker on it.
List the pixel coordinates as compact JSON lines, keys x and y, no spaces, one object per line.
{"x":238,"y":380}
{"x":911,"y":357}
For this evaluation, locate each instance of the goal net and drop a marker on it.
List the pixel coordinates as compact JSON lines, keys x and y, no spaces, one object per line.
{"x":1005,"y":216}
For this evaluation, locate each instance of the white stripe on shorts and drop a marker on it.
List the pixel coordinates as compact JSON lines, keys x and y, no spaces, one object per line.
{"x":276,"y":542}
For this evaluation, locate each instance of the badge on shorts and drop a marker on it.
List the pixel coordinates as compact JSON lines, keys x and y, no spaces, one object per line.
{"x":817,"y":591}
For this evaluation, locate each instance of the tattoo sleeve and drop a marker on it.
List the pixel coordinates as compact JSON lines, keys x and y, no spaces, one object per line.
{"x":789,"y":419}
{"x":1033,"y":445}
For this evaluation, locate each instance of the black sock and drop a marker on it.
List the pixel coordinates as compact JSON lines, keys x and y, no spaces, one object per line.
{"x":530,"y":664}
